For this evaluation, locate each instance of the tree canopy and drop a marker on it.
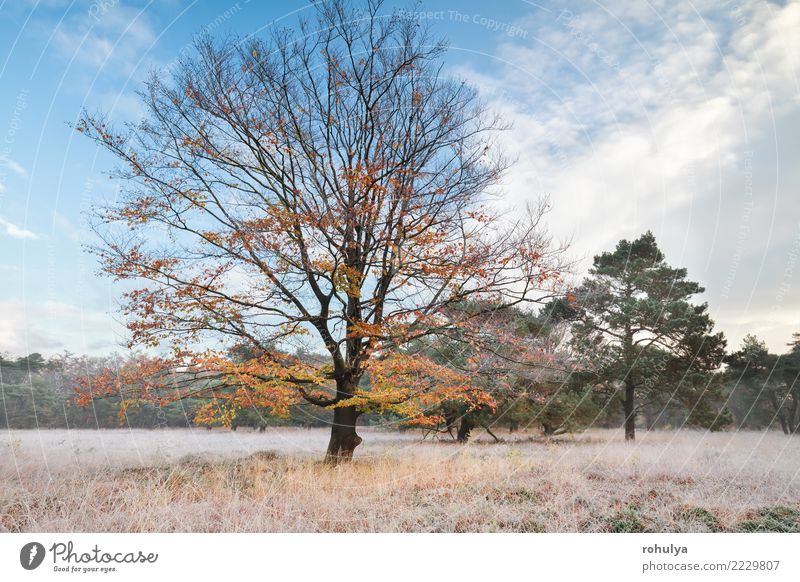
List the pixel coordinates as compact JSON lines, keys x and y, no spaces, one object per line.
{"x":326,"y":182}
{"x":637,"y":330}
{"x":763,"y":387}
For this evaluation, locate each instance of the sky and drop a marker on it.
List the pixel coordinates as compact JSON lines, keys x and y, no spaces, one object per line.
{"x":678,"y":117}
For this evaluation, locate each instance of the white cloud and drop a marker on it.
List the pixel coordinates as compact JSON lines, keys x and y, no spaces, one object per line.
{"x":115,"y":39}
{"x":673,"y":118}
{"x":13,"y":165}
{"x":15,"y":231}
{"x":52,"y":326}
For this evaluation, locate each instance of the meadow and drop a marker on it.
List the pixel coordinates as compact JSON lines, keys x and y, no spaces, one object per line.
{"x":193,"y":480}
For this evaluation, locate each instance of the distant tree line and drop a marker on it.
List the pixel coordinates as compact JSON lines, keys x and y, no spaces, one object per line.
{"x":763,"y":389}
{"x":626,"y":347}
{"x":39,"y":393}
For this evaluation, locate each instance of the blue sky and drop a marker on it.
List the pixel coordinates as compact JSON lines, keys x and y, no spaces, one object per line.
{"x":682,"y":118}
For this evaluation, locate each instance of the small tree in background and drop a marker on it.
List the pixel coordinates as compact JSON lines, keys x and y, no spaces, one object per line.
{"x":526,"y":372}
{"x":763,"y":386}
{"x":789,"y":415}
{"x":635,"y":329}
{"x":330,"y":184}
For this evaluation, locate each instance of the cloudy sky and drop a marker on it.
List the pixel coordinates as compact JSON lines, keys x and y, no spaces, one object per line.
{"x":678,"y":117}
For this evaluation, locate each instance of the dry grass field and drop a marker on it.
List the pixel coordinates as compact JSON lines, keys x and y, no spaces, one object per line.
{"x":212,"y":481}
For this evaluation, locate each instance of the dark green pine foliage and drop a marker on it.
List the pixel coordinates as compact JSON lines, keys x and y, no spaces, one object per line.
{"x":638,"y":335}
{"x":763,"y":387}
{"x":790,"y":376}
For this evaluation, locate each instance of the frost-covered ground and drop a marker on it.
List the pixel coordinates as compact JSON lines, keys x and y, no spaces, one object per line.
{"x":198,"y":480}
{"x":55,"y":449}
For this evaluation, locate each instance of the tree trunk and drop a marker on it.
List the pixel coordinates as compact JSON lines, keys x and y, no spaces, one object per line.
{"x":779,"y":412}
{"x":630,"y":413}
{"x":793,"y":423}
{"x":494,"y":436}
{"x":628,"y":404}
{"x":464,"y":429}
{"x":450,"y":423}
{"x":649,"y":418}
{"x":344,"y":439}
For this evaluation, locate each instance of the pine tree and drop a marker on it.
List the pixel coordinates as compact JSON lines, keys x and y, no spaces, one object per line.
{"x":636,"y":331}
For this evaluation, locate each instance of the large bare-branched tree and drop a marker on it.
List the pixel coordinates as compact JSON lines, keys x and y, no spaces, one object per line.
{"x":328,"y":181}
